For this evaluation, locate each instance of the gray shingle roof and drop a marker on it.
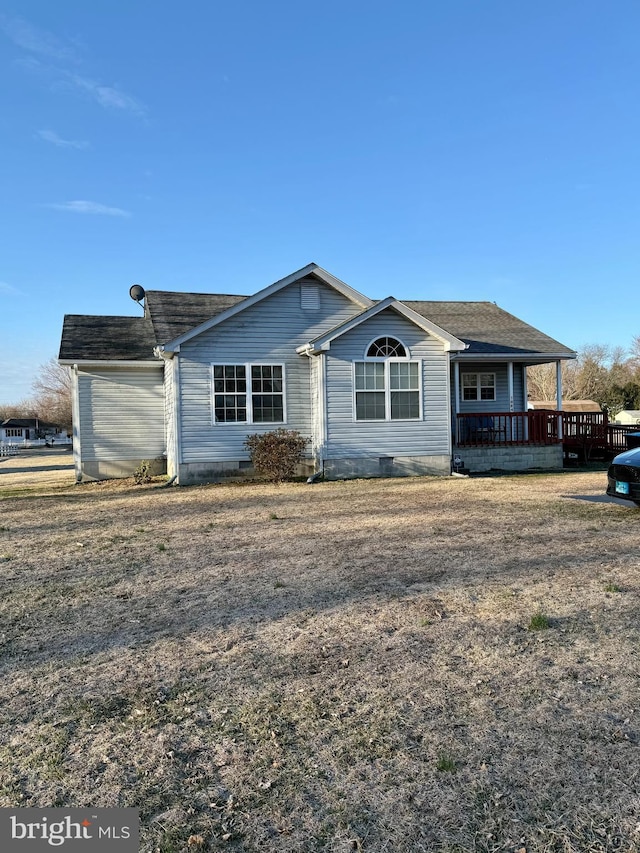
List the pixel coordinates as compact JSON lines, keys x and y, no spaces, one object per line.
{"x":488,"y":329}
{"x":33,"y":423}
{"x":87,"y":338}
{"x":173,"y":314}
{"x":168,"y":314}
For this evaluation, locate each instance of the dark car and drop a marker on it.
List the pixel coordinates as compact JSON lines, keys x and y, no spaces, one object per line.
{"x":623,"y":476}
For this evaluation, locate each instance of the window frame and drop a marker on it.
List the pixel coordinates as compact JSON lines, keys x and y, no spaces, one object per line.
{"x":478,"y":386}
{"x":406,"y":357}
{"x":14,"y":432}
{"x":249,"y":394}
{"x":387,"y":388}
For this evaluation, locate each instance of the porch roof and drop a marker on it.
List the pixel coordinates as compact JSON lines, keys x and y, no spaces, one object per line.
{"x":489,"y":330}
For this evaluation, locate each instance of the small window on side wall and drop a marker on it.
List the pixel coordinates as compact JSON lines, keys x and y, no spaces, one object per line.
{"x":478,"y":386}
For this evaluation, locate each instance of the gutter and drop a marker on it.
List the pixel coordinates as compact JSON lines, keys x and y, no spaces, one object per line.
{"x":107,"y":362}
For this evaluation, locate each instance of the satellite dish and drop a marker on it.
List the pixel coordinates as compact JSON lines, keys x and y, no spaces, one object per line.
{"x":136,"y":292}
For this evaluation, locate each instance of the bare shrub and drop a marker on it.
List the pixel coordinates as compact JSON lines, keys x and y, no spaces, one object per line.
{"x":142,"y":474}
{"x":275,"y":454}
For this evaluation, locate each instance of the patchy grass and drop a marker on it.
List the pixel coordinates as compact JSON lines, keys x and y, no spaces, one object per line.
{"x":539,"y":622}
{"x":359,"y":678}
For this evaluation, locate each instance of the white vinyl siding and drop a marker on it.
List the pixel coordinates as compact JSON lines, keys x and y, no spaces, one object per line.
{"x":121,"y":414}
{"x":265,"y":333}
{"x":427,"y":435}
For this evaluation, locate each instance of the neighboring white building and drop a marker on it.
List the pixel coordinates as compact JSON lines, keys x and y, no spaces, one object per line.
{"x":628,"y":417}
{"x":21,"y":430}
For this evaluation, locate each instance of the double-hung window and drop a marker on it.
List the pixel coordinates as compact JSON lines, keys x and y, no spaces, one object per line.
{"x":248,"y":393}
{"x":478,"y":386}
{"x":387,"y":389}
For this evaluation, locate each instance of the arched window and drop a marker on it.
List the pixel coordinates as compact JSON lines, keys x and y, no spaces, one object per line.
{"x":386,"y":347}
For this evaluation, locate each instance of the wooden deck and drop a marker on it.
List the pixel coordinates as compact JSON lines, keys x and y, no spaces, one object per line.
{"x":583,"y":435}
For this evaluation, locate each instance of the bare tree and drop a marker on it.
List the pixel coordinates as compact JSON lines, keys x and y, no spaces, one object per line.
{"x":542,"y":382}
{"x":635,"y":354}
{"x":52,"y":394}
{"x":23,"y":409}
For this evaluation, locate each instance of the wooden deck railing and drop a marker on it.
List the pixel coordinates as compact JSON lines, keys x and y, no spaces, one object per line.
{"x":617,"y":437}
{"x":512,"y":428}
{"x":587,"y":433}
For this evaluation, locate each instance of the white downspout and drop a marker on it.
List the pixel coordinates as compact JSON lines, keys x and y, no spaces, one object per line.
{"x":319,"y":419}
{"x":177,"y":412}
{"x":322,"y":401}
{"x":75,"y":423}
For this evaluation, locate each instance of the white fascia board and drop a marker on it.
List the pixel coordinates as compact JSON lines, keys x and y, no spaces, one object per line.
{"x":323,"y":342}
{"x":314,"y":269}
{"x":530,"y":358}
{"x":72,"y":362}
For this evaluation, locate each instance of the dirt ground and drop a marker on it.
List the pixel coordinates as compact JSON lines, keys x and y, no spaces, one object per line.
{"x":430,"y":664}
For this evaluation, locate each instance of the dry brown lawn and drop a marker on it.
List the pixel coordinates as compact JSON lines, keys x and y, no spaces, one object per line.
{"x":343,"y":666}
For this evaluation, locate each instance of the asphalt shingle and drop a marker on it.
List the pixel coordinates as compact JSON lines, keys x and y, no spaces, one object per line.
{"x":484,"y":326}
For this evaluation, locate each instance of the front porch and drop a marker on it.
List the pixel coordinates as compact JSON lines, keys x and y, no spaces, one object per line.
{"x":491,"y":429}
{"x":507,"y":441}
{"x":535,"y":439}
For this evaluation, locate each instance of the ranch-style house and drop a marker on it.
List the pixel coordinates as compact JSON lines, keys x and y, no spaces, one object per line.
{"x":385,"y":387}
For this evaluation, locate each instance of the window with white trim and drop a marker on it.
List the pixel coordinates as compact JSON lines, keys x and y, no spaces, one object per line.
{"x":386,"y":347}
{"x":478,"y":386}
{"x":13,"y":432}
{"x":387,"y":385}
{"x":248,"y":393}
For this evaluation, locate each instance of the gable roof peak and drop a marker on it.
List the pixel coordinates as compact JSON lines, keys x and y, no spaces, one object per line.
{"x":310,"y":269}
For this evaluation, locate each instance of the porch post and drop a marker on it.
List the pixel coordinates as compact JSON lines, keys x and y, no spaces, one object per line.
{"x":510,"y":384}
{"x":456,"y":396}
{"x":559,"y":396}
{"x":525,"y":394}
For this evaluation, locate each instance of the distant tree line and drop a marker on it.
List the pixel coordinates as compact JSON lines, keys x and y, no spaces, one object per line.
{"x":50,"y":400}
{"x":608,"y":375}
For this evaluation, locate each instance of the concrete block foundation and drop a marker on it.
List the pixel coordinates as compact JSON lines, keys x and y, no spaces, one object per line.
{"x":386,"y":466}
{"x":519,"y":458}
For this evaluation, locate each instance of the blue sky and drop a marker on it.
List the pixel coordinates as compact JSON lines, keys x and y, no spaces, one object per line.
{"x":450,"y":150}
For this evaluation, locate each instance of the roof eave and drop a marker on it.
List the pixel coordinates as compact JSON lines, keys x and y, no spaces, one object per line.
{"x":541,"y":357}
